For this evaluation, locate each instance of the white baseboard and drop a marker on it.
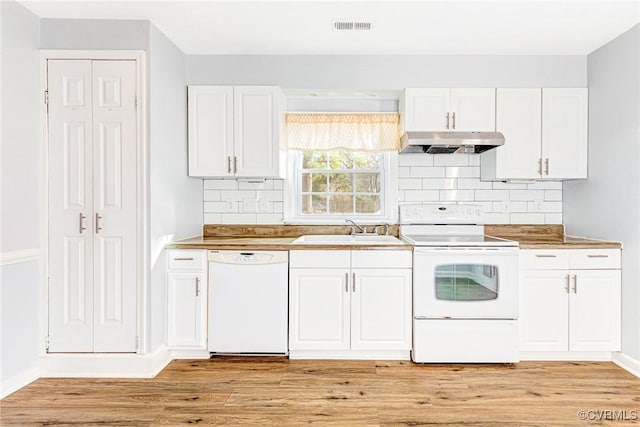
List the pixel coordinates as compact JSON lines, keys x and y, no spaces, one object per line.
{"x":190,"y":354}
{"x":627,"y":363}
{"x":18,"y":381}
{"x":575,"y":356}
{"x":351,"y":354}
{"x":104,"y":365}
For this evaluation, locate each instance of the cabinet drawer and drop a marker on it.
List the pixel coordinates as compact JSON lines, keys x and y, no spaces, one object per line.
{"x":544,"y":259}
{"x":184,"y":259}
{"x":319,"y":259}
{"x":381,"y":259}
{"x":594,"y":258}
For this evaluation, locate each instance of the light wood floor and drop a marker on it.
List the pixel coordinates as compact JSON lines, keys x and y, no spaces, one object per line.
{"x":277,"y":391}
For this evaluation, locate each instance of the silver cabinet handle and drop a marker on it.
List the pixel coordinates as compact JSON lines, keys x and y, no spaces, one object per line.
{"x":598,"y":256}
{"x":566,"y":288}
{"x":98,"y":227}
{"x":454,"y":120}
{"x":575,"y":283}
{"x":183,"y":259}
{"x":229,"y":164}
{"x":346,"y":282}
{"x":197,"y":286}
{"x":81,"y":218}
{"x":540,"y":166}
{"x":545,"y":256}
{"x":235,"y":164}
{"x":447,"y":120}
{"x":353,"y":283}
{"x":546,"y":166}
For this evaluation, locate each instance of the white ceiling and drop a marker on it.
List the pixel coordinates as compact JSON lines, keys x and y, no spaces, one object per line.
{"x":408,"y":27}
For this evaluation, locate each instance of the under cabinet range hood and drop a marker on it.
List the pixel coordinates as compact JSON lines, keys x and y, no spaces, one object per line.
{"x":450,"y":142}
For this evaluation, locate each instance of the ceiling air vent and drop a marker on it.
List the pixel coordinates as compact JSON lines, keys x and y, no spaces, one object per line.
{"x":352,"y":26}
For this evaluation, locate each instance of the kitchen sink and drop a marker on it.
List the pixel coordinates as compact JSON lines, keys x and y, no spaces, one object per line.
{"x":341,"y":239}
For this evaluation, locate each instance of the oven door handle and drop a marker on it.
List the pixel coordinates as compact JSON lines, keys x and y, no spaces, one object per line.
{"x":465,"y":251}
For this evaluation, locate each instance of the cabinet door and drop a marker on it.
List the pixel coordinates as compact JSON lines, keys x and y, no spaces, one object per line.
{"x":473,"y":109}
{"x":426,"y":109}
{"x":381,"y":309}
{"x":210,"y":110}
{"x":594,"y":310}
{"x":115,"y":203}
{"x":543,"y":317}
{"x":186,"y":310}
{"x":319,"y":309}
{"x":258,"y":117}
{"x":519,"y":119}
{"x":564,"y":133}
{"x":70,"y":207}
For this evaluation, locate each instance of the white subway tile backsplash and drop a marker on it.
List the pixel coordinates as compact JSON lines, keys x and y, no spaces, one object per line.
{"x":278,"y":184}
{"x":239,"y":218}
{"x":474,"y":160}
{"x":490,"y":195}
{"x":439,"y":184}
{"x":275,"y":218}
{"x":553,"y":218}
{"x":236,"y":195}
{"x":527,"y":218}
{"x":271,"y":196}
{"x":526,"y":194}
{"x":496,"y":218}
{"x":410,"y":184}
{"x":211,"y":195}
{"x":457,"y":195}
{"x":220,"y":184}
{"x":545,"y":185}
{"x":451,"y":160}
{"x":220,"y":207}
{"x":256,"y":185}
{"x":473,"y":184}
{"x":462,"y":172}
{"x":415,"y":160}
{"x":427,"y":172}
{"x":499,"y":185}
{"x":404,"y":172}
{"x":210,"y":218}
{"x":421,"y":196}
{"x":553,"y":195}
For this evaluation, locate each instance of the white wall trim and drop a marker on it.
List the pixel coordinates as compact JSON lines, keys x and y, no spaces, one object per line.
{"x":105,"y":365}
{"x":627,"y":363}
{"x":16,"y":382}
{"x":351,"y":354}
{"x":190,"y":354}
{"x":24,"y":255}
{"x":142,"y":255}
{"x":597,"y":356}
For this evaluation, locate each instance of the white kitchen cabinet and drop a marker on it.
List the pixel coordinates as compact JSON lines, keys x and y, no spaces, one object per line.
{"x":187,"y":300}
{"x":92,"y":206}
{"x":545,"y":135}
{"x":348,"y":303}
{"x":566,"y":306}
{"x":444,"y":109}
{"x":236,"y":131}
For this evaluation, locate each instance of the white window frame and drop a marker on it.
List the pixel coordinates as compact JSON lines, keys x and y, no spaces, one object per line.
{"x":388,"y":197}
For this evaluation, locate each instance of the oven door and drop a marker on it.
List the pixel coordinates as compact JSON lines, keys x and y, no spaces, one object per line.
{"x":465,"y":283}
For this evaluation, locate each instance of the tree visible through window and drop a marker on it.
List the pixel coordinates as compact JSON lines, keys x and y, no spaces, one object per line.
{"x":341,"y":183}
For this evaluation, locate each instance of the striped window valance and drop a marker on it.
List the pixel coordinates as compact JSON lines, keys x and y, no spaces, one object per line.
{"x":343,"y":131}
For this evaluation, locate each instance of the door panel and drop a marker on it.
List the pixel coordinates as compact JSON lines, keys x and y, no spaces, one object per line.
{"x":475,"y":109}
{"x":70,"y":207}
{"x":114,"y":164}
{"x":319,"y":309}
{"x":426,"y":109}
{"x":381,"y":309}
{"x":544,"y":324}
{"x":185,"y":312}
{"x":210,"y":130}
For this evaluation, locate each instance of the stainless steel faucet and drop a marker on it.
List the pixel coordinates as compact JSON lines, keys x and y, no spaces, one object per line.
{"x":354,"y":226}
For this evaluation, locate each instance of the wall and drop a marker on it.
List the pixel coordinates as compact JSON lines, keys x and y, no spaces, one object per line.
{"x":423,"y":178}
{"x":607,"y":205}
{"x":175,"y":199}
{"x":98,"y":34}
{"x":21,"y":197}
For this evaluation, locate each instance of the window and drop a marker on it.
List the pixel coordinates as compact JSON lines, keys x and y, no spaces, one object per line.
{"x":340,"y":183}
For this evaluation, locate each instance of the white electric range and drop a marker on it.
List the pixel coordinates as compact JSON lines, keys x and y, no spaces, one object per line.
{"x":465,"y":286}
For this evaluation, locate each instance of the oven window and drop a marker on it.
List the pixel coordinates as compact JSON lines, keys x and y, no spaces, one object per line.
{"x":466,"y":282}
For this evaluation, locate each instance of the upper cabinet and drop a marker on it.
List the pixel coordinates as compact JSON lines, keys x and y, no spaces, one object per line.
{"x":545,"y":134}
{"x":448,"y":109}
{"x":236,"y":131}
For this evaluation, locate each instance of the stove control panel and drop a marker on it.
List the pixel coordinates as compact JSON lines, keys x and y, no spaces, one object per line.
{"x":441,"y":213}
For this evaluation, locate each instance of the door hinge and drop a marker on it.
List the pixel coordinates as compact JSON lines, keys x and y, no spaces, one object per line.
{"x":46,"y":97}
{"x":46,"y":343}
{"x":135,"y":101}
{"x":137,"y":343}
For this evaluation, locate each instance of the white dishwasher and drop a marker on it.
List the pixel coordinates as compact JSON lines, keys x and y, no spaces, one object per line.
{"x":248,"y":302}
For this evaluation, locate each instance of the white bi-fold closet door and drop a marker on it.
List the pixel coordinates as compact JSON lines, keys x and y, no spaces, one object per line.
{"x":92,"y":206}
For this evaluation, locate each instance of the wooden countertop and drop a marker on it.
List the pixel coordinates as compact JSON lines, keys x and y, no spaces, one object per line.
{"x":546,"y":237}
{"x":274,"y":244}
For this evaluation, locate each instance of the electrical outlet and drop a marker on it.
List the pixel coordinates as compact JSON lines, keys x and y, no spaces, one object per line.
{"x":505,"y":206}
{"x":230,"y":206}
{"x":537,"y":205}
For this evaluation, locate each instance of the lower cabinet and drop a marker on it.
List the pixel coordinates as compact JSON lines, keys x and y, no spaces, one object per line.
{"x":339,"y":302}
{"x":566,"y":306}
{"x":187,"y":300}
